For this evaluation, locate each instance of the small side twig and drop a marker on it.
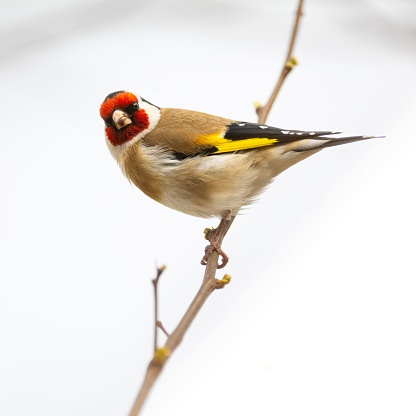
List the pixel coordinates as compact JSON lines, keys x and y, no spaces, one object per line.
{"x":155,"y":282}
{"x":162,"y":328}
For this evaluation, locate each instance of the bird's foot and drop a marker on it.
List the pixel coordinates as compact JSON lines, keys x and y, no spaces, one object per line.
{"x":214,"y":236}
{"x":209,"y":249}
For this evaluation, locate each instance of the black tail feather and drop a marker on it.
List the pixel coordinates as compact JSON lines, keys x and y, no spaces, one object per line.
{"x":329,"y":142}
{"x":345,"y":140}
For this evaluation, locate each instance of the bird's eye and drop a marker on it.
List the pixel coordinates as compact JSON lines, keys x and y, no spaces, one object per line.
{"x":132,"y":108}
{"x":108,"y":122}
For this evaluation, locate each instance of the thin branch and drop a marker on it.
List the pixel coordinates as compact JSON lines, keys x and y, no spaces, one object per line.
{"x":209,"y":282}
{"x":158,"y":324}
{"x":161,"y":356}
{"x":289,"y":64}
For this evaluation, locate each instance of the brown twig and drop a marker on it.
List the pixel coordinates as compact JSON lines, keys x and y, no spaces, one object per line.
{"x":289,"y":63}
{"x":158,"y":324}
{"x":162,"y":328}
{"x":209,"y":282}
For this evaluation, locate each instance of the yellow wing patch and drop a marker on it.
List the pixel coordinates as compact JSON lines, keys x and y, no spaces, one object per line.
{"x":227,"y":145}
{"x":235,"y":145}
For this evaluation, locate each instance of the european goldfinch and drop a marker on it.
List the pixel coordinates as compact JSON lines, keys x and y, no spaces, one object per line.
{"x":200,"y":164}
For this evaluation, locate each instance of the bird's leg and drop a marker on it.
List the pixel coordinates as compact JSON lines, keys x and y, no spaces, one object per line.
{"x":213,"y":236}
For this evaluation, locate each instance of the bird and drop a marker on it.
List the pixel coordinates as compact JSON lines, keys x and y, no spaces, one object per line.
{"x":201,"y":164}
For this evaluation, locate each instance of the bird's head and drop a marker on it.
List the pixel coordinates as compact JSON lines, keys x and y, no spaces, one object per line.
{"x":127,"y":117}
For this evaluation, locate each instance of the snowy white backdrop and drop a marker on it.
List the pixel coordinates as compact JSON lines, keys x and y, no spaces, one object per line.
{"x":320,"y":315}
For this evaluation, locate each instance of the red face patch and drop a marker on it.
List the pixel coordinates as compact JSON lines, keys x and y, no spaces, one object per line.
{"x":123,"y":101}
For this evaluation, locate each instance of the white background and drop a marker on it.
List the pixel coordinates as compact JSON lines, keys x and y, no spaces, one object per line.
{"x":320,"y":315}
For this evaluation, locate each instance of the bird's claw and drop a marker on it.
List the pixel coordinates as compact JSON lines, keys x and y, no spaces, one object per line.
{"x":209,"y":249}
